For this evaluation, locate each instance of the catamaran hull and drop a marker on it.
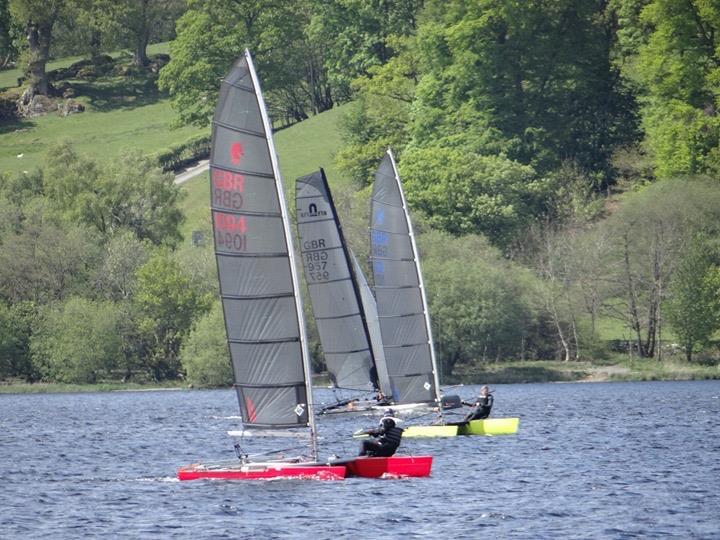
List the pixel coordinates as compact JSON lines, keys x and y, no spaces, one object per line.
{"x":489,"y":426}
{"x":389,"y":467}
{"x":262,"y":471}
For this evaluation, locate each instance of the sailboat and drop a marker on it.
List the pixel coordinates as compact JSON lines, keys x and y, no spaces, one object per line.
{"x":341,"y":299}
{"x":259,"y":286}
{"x":343,"y":307}
{"x":403,"y":309}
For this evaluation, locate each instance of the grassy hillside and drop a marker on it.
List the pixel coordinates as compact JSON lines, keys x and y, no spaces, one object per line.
{"x":301,"y":149}
{"x":121,"y":114}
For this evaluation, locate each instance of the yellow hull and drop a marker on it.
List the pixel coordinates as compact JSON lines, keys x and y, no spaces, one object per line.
{"x":489,"y":426}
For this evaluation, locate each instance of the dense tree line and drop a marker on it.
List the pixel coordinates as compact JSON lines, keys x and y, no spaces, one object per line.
{"x":91,"y":285}
{"x":561,"y":159}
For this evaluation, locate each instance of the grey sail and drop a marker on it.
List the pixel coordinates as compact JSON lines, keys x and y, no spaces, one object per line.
{"x":369,"y":306}
{"x":399,"y":292}
{"x":256,"y":270}
{"x":334,"y":293}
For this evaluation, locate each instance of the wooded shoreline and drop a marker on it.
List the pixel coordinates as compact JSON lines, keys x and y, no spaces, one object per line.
{"x":499,"y":373}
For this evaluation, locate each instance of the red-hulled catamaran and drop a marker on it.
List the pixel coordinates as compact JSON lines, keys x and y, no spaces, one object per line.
{"x":259,"y":286}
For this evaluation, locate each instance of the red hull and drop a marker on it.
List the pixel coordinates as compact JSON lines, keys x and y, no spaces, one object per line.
{"x":390,"y":467}
{"x":259,"y":472}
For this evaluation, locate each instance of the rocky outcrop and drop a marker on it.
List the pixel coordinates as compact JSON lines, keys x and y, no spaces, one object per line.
{"x":70,"y":106}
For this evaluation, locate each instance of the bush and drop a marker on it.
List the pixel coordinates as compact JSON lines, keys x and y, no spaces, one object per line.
{"x":182,"y":154}
{"x":204,"y":355}
{"x":75,"y":341}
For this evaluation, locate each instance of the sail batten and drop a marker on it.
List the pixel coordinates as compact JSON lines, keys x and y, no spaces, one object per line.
{"x":399,"y":291}
{"x":335,"y":295}
{"x":254,"y":254}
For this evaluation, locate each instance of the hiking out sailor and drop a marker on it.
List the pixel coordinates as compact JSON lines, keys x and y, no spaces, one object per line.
{"x":481,"y":406}
{"x":386,"y":437}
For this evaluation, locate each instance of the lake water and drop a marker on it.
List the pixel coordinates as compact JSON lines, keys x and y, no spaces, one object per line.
{"x":605,"y":460}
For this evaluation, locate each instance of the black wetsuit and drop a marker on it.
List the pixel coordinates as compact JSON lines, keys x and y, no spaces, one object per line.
{"x":389,"y":437}
{"x":483,"y":405}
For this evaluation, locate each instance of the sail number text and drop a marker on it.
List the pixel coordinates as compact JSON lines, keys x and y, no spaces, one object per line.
{"x":316,"y":265}
{"x":230,"y":232}
{"x":228,"y":188}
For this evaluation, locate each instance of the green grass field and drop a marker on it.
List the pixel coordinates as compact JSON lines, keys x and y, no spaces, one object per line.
{"x":122,"y":114}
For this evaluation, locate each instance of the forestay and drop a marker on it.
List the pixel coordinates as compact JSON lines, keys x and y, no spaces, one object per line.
{"x":334,"y":291}
{"x":399,"y":292}
{"x":258,"y":281}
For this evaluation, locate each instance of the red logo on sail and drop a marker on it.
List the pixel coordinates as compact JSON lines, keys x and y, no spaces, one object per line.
{"x":236,"y":153}
{"x":250,"y":406}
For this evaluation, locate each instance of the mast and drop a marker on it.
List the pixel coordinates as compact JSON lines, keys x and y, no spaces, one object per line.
{"x":416,"y":259}
{"x":291,"y":256}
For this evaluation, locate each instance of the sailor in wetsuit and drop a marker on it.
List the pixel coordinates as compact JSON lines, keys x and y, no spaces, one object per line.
{"x":386,"y":439}
{"x":482,"y":405}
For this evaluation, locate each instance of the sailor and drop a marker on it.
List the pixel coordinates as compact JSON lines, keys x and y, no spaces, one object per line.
{"x":481,"y":406}
{"x":386,"y":437}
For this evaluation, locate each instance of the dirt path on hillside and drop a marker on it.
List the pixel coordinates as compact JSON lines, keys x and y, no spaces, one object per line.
{"x":191,"y":172}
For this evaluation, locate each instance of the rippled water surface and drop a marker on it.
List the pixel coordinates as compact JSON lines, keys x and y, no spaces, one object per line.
{"x":607,"y":460}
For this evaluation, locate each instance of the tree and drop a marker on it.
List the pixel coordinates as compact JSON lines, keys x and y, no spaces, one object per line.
{"x":693,"y":305}
{"x":132,"y":193}
{"x":47,"y":261}
{"x":211,"y":35}
{"x":8,"y":50}
{"x":649,"y":231}
{"x":38,"y":18}
{"x":670,"y":52}
{"x":360,"y":35}
{"x":537,"y":72}
{"x":167,"y":306}
{"x":480,"y":305}
{"x":463,"y":192}
{"x":204,"y":353}
{"x":76,"y":341}
{"x":124,"y":255}
{"x":15,"y":332}
{"x":139,"y":21}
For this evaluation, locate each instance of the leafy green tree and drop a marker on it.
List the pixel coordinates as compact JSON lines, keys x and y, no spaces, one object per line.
{"x":124,"y":255}
{"x":211,"y":35}
{"x":8,"y":50}
{"x":669,"y":50}
{"x":359,"y":35}
{"x":132,"y":193}
{"x":693,"y":305}
{"x":47,"y":260}
{"x":537,"y":72}
{"x":465,"y":193}
{"x":15,"y":332}
{"x":480,"y":305}
{"x":137,"y":22}
{"x":76,"y":341}
{"x":204,"y":353}
{"x":167,"y":305}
